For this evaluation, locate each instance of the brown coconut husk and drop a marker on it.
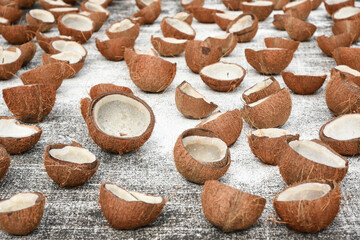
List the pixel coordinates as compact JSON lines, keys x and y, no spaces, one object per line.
{"x":79,"y":36}
{"x":10,"y":69}
{"x":169,"y":31}
{"x":332,"y":8}
{"x":45,"y":42}
{"x":353,"y":17}
{"x":107,"y":87}
{"x":18,"y":34}
{"x":46,"y":5}
{"x":272,"y":88}
{"x":71,"y":70}
{"x":114,"y":49}
{"x":261,"y":12}
{"x":347,"y":26}
{"x":227,"y":44}
{"x":347,"y":56}
{"x":192,"y":4}
{"x":310,"y":216}
{"x":39,"y":24}
{"x":98,"y":18}
{"x":24,"y":221}
{"x":222,"y":22}
{"x":315,"y":4}
{"x":28,"y":51}
{"x":188,"y":19}
{"x":297,"y":29}
{"x":303,"y":84}
{"x":204,"y":15}
{"x":10,"y":12}
{"x":278,"y":21}
{"x":167,"y":49}
{"x":279,"y":42}
{"x":5,"y":161}
{"x":68,"y":174}
{"x":58,"y":14}
{"x":234,"y":5}
{"x":140,"y":4}
{"x":328,"y":44}
{"x":247,"y":34}
{"x":248,"y":207}
{"x":150,"y":13}
{"x":300,"y":11}
{"x":132,"y":32}
{"x":130,"y":54}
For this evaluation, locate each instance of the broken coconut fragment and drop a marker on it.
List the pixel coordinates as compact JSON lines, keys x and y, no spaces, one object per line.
{"x":189,"y":4}
{"x":184,"y":16}
{"x":125,"y":209}
{"x":114,"y":49}
{"x":107,"y":87}
{"x":168,"y":47}
{"x":45,"y":41}
{"x":200,"y":155}
{"x":123,"y":28}
{"x":319,"y":201}
{"x":279,"y":42}
{"x":28,"y":51}
{"x":98,"y":18}
{"x":227,"y":42}
{"x":130,"y":54}
{"x":261,"y":90}
{"x":18,"y":34}
{"x":74,"y":61}
{"x":299,"y":9}
{"x":204,"y":15}
{"x":347,"y":56}
{"x":303,"y":84}
{"x":59,"y":46}
{"x":342,"y":134}
{"x":40,"y":18}
{"x":118,"y":122}
{"x":347,"y":26}
{"x":297,"y":29}
{"x":5,"y":161}
{"x":305,"y":159}
{"x":332,"y":6}
{"x":346,"y":13}
{"x":10,"y":62}
{"x":278,"y":21}
{"x":224,"y":19}
{"x":22,"y":213}
{"x":244,"y":27}
{"x":191,"y":103}
{"x":175,"y":28}
{"x":261,"y":9}
{"x":328,"y":44}
{"x":228,"y":208}
{"x":79,"y":27}
{"x":149,"y":13}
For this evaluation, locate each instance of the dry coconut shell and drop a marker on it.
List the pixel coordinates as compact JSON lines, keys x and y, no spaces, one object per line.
{"x":28,"y":51}
{"x":69,"y":173}
{"x":347,"y":26}
{"x":184,"y":16}
{"x":123,"y":28}
{"x":42,"y":19}
{"x":261,"y":9}
{"x":114,"y":49}
{"x":278,"y":21}
{"x":308,"y":206}
{"x":11,"y":13}
{"x":315,"y":4}
{"x":227,"y":42}
{"x":199,"y":171}
{"x":244,"y":27}
{"x":175,"y":28}
{"x":347,"y":56}
{"x":342,"y":134}
{"x":73,"y":68}
{"x":108,"y":141}
{"x":279,"y":4}
{"x":78,"y":34}
{"x":199,"y":54}
{"x":150,"y":13}
{"x":107,"y":87}
{"x":98,"y":18}
{"x":17,"y":145}
{"x":30,"y":103}
{"x":228,"y":208}
{"x":128,"y":209}
{"x":272,"y":111}
{"x":168,"y":47}
{"x":25,"y":220}
{"x":234,"y":5}
{"x":226,"y":125}
{"x":267,"y":144}
{"x":188,"y":5}
{"x":204,"y":15}
{"x":151,"y":73}
{"x":45,"y":42}
{"x":143,"y":3}
{"x":346,"y":13}
{"x":328,"y":44}
{"x":332,"y":6}
{"x":299,"y":9}
{"x":46,"y":4}
{"x":279,"y":42}
{"x":261,"y":90}
{"x":303,"y":84}
{"x":269,"y":60}
{"x":130,"y":54}
{"x":60,"y":11}
{"x":297,"y":29}
{"x":191,"y":103}
{"x":18,"y":34}
{"x":5,"y":161}
{"x":318,"y":161}
{"x":10,"y":62}
{"x":224,"y":19}
{"x":222,"y":77}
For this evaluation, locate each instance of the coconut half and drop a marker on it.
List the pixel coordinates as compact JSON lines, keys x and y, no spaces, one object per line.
{"x":73,"y":62}
{"x":191,"y":103}
{"x":123,"y":28}
{"x":60,"y":11}
{"x":93,"y":7}
{"x":204,"y":15}
{"x":130,"y":54}
{"x":45,"y":41}
{"x":184,"y":16}
{"x":332,"y":6}
{"x":59,"y":46}
{"x":279,"y":42}
{"x":261,"y":9}
{"x":244,"y":27}
{"x":299,"y":9}
{"x":303,"y":84}
{"x":175,"y":28}
{"x":78,"y":26}
{"x":329,"y":44}
{"x":5,"y":161}
{"x":10,"y":12}
{"x":224,"y":19}
{"x":101,"y":88}
{"x":347,"y":26}
{"x":168,"y":47}
{"x":297,"y":29}
{"x":114,"y":49}
{"x":319,"y":201}
{"x":347,"y":56}
{"x":10,"y":62}
{"x":149,"y":13}
{"x":190,"y":4}
{"x":48,"y":4}
{"x":261,"y":90}
{"x":234,"y":5}
{"x":18,"y":34}
{"x":40,"y":18}
{"x":227,"y":42}
{"x":346,"y":13}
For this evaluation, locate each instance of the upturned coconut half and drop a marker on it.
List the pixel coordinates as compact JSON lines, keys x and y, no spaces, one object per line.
{"x":123,"y":28}
{"x":299,"y":9}
{"x":184,"y":16}
{"x":168,"y":47}
{"x":118,"y":122}
{"x":342,"y":134}
{"x":74,"y":61}
{"x":200,"y":155}
{"x":347,"y":26}
{"x":261,"y":90}
{"x":224,"y":19}
{"x":101,"y":88}
{"x":227,"y":42}
{"x":305,"y":159}
{"x":10,"y":12}
{"x":114,"y":49}
{"x":234,"y":5}
{"x":40,"y":18}
{"x":267,"y":144}
{"x":279,"y":42}
{"x":189,"y":4}
{"x":48,"y":4}
{"x":175,"y":28}
{"x":228,"y":208}
{"x":269,"y":60}
{"x":244,"y":27}
{"x":10,"y":62}
{"x":18,"y":34}
{"x":346,"y":13}
{"x":191,"y":103}
{"x":5,"y":161}
{"x":303,"y":84}
{"x":328,"y":44}
{"x":69,"y":165}
{"x":125,"y":209}
{"x":226,"y":125}
{"x":78,"y":26}
{"x":332,"y":6}
{"x":143,"y":3}
{"x":149,"y":13}
{"x":297,"y":29}
{"x":60,"y":11}
{"x":308,"y":206}
{"x":222,"y":77}
{"x":204,"y":15}
{"x":347,"y":56}
{"x":261,"y":9}
{"x":269,"y":112}
{"x":22,"y":213}
{"x":45,"y":41}
{"x":30,"y":103}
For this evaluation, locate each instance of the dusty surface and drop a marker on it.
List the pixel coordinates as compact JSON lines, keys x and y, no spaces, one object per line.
{"x":74,"y":213}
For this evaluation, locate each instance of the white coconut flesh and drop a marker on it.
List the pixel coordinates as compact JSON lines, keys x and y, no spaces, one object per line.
{"x":85,"y":13}
{"x":271,"y":132}
{"x":186,"y":1}
{"x":69,"y":46}
{"x":293,"y":4}
{"x":148,"y":52}
{"x":223,"y":71}
{"x":346,"y":12}
{"x":121,"y":116}
{"x":180,"y":26}
{"x":174,"y":40}
{"x":131,"y":196}
{"x":205,"y":149}
{"x":241,"y":24}
{"x":212,"y":117}
{"x":18,"y":202}
{"x":224,"y":36}
{"x":42,"y":15}
{"x":56,"y":2}
{"x":97,"y":1}
{"x":346,"y":69}
{"x":148,"y":2}
{"x":346,"y":127}
{"x":190,"y":91}
{"x":73,"y":154}
{"x":258,"y":102}
{"x":333,"y":2}
{"x":70,"y":57}
{"x":317,"y":153}
{"x":258,"y":87}
{"x":121,"y":26}
{"x":11,"y":128}
{"x":181,"y":16}
{"x":3,"y":20}
{"x":96,"y":7}
{"x":7,"y":56}
{"x":77,"y":22}
{"x":226,"y":16}
{"x":258,"y":3}
{"x":305,"y":191}
{"x":64,"y":9}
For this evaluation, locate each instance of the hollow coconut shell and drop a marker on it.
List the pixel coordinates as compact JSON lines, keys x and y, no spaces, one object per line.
{"x":41,"y":25}
{"x":234,"y":5}
{"x":347,"y":56}
{"x":297,"y":29}
{"x":315,"y":4}
{"x":204,"y":15}
{"x":122,"y":214}
{"x":310,"y":216}
{"x":226,"y":125}
{"x":98,"y":18}
{"x":10,"y":12}
{"x":77,"y":35}
{"x":132,"y":32}
{"x":347,"y":146}
{"x":28,"y":51}
{"x":169,"y":31}
{"x":227,"y":43}
{"x":30,"y":103}
{"x":184,"y":16}
{"x":110,"y":143}
{"x":8,"y":70}
{"x":228,"y":208}
{"x":246,"y":34}
{"x":68,"y":174}
{"x":130,"y":54}
{"x":72,"y":68}
{"x":268,"y":149}
{"x":279,"y":42}
{"x":193,"y":4}
{"x":191,"y":106}
{"x":346,"y":11}
{"x":107,"y":87}
{"x":193,"y":170}
{"x":297,"y":168}
{"x":329,"y":44}
{"x":151,"y":73}
{"x":347,"y":26}
{"x":5,"y":161}
{"x":150,"y":13}
{"x":300,"y":11}
{"x":223,"y":22}
{"x":278,"y":21}
{"x":264,"y":89}
{"x":260,"y":11}
{"x":269,"y":61}
{"x":166,"y":48}
{"x":272,"y":112}
{"x":199,"y":54}
{"x":332,"y":8}
{"x":303,"y":84}
{"x":18,"y":34}
{"x":45,"y":42}
{"x":114,"y":49}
